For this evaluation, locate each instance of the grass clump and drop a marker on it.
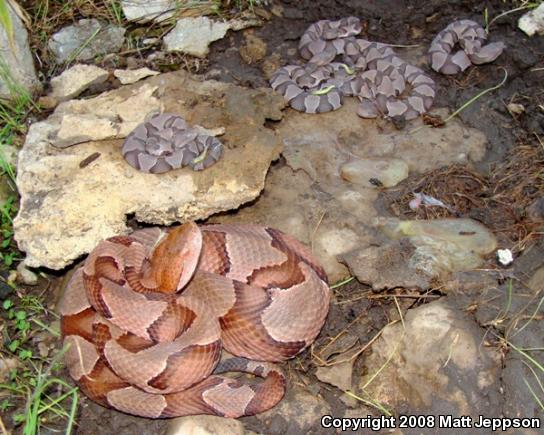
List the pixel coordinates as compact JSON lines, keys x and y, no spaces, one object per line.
{"x":32,"y":392}
{"x":32,"y":395}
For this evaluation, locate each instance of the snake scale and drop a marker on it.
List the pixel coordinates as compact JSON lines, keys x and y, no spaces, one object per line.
{"x":339,"y":64}
{"x":146,"y":317}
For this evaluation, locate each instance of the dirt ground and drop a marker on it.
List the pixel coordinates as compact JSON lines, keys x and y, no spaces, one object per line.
{"x":407,"y":23}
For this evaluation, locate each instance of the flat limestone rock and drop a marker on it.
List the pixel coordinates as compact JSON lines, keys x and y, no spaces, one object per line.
{"x":386,"y":266}
{"x":148,"y":10}
{"x":442,"y":245}
{"x":75,"y":80}
{"x":375,"y":172}
{"x":308,"y":197}
{"x":420,"y":251}
{"x":128,"y":76}
{"x":73,"y":197}
{"x":112,"y":115}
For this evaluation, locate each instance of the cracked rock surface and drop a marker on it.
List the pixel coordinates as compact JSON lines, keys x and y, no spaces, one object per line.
{"x":74,"y":196}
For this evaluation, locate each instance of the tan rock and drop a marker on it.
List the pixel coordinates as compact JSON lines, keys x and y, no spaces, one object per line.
{"x":128,"y":76}
{"x":536,"y":283}
{"x":76,"y":80}
{"x":386,"y":266}
{"x":205,"y":425}
{"x":67,"y":205}
{"x":442,"y":245}
{"x":434,"y":361}
{"x":375,"y":172}
{"x":308,"y":198}
{"x":300,"y":411}
{"x":270,"y":65}
{"x":111,"y":115}
{"x":253,"y":50}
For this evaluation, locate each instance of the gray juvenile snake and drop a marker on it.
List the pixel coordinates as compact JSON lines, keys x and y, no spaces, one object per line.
{"x":167,"y":142}
{"x":384,"y":83}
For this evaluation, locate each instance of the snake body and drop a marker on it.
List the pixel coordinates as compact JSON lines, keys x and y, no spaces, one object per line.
{"x":167,"y":142}
{"x":471,"y":38}
{"x":371,"y":71}
{"x":384,"y":83}
{"x":146,"y":317}
{"x":326,"y":39}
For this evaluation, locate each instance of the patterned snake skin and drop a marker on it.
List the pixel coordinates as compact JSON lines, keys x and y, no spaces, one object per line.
{"x":471,"y":37}
{"x":166,"y":142}
{"x":147,"y":315}
{"x":384,"y":83}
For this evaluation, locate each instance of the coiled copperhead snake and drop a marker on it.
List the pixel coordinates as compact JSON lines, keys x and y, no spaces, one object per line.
{"x":371,"y":71}
{"x":147,"y":315}
{"x":471,"y":38}
{"x":167,"y":142}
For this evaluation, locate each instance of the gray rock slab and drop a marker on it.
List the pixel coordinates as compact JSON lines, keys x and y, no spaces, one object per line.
{"x":194,"y":35}
{"x":85,"y":40}
{"x":16,"y":62}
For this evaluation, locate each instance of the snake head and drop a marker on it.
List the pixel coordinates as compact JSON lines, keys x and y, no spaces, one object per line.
{"x":176,"y":257}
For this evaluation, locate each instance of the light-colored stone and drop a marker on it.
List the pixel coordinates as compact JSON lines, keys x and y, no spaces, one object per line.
{"x":128,"y":76}
{"x":375,"y":172}
{"x":67,"y":208}
{"x":16,"y":62}
{"x":434,"y":362}
{"x":386,"y":266}
{"x":85,"y":40}
{"x":205,"y":425}
{"x":536,"y":283}
{"x":308,"y":198}
{"x":111,"y":115}
{"x":25,"y":275}
{"x":338,"y":375}
{"x":442,"y":245}
{"x":194,"y":35}
{"x":148,"y":10}
{"x":9,"y":153}
{"x":533,"y":21}
{"x":75,"y":80}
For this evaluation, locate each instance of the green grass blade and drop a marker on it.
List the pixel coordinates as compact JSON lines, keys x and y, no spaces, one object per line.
{"x":5,"y":20}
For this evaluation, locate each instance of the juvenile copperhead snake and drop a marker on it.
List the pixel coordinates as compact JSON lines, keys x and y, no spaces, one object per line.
{"x":147,"y":315}
{"x":471,"y":37}
{"x":383,"y":82}
{"x":371,"y":71}
{"x":167,"y":142}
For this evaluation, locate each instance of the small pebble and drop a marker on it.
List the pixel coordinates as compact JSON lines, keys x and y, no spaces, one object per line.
{"x":517,"y":109}
{"x":26,"y":276}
